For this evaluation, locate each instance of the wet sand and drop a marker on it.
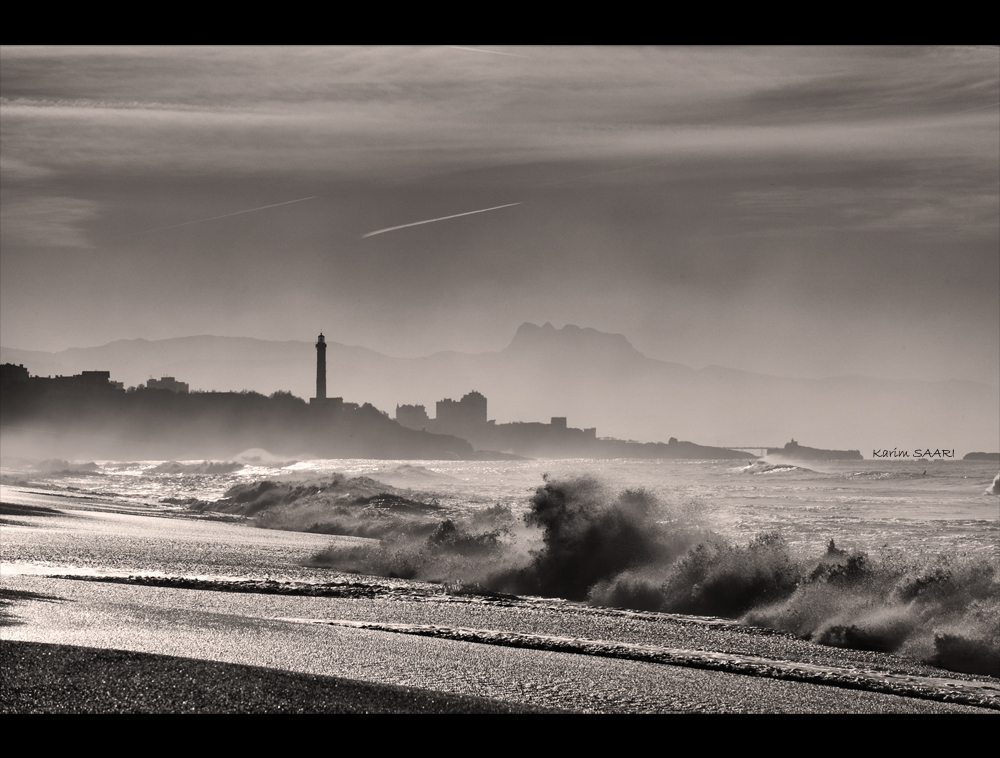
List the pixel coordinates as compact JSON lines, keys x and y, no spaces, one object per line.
{"x":41,"y":678}
{"x":310,"y":631}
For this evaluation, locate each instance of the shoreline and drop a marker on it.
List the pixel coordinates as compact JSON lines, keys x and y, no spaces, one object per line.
{"x":555,"y":670}
{"x":714,"y":645}
{"x":509,"y":649}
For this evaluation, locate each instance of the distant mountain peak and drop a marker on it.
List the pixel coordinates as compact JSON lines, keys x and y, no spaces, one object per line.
{"x":588,"y":342}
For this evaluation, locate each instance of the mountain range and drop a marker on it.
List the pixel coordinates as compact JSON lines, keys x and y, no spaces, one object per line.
{"x":595,"y":379}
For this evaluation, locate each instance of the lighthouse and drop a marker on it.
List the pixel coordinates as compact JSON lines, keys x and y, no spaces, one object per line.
{"x":321,"y":369}
{"x":332,"y":404}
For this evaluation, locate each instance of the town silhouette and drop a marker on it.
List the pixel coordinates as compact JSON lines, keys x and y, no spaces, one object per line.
{"x":91,"y":415}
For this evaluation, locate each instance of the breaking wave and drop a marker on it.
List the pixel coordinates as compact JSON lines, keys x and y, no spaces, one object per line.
{"x":59,"y":466}
{"x":410,"y":475}
{"x":762,"y":467}
{"x":887,"y":475}
{"x":257,"y":456}
{"x":945,"y":611}
{"x":357,"y":507}
{"x":204,"y":467}
{"x":581,"y":541}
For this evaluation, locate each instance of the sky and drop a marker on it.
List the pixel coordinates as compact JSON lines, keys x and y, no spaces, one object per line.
{"x":803,"y":212}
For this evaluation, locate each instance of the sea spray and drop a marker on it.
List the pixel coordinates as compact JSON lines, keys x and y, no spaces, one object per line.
{"x":575,"y":533}
{"x":579,"y":537}
{"x":204,"y":467}
{"x":945,"y":610}
{"x":472,"y":550}
{"x":58,"y":465}
{"x":580,"y":540}
{"x":712,"y":577}
{"x":341,"y":505}
{"x":589,"y":533}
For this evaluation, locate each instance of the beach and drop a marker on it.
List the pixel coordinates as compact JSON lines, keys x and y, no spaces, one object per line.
{"x":592,"y":379}
{"x":89,"y":576}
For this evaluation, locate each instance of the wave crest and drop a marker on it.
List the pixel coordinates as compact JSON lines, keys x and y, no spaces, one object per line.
{"x":579,"y":540}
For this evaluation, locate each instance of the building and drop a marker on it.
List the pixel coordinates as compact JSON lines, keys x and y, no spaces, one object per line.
{"x":164,"y":383}
{"x":11,"y":374}
{"x":464,"y":418}
{"x":82,"y":383}
{"x":412,"y":416}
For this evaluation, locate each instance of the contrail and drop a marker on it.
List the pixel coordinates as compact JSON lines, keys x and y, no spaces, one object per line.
{"x":548,"y":184}
{"x":479,"y":50}
{"x":224,"y":215}
{"x":432,"y":220}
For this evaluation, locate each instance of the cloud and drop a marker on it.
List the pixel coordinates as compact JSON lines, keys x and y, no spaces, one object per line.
{"x":47,"y":222}
{"x":374,"y":113}
{"x":14,"y":169}
{"x":942,"y":207}
{"x":481,"y":50}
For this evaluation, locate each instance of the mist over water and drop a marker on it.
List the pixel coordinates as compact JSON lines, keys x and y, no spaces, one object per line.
{"x":885,"y":556}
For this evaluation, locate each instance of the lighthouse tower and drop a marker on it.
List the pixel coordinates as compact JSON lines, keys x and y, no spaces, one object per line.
{"x":321,"y":369}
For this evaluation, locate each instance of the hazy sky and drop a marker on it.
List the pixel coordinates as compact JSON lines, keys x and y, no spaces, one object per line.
{"x":795,"y":211}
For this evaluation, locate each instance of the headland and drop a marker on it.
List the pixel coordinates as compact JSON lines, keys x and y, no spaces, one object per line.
{"x":794,"y":451}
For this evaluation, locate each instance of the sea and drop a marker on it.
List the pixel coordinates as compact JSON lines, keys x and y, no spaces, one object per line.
{"x":886,"y":555}
{"x":922,"y":507}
